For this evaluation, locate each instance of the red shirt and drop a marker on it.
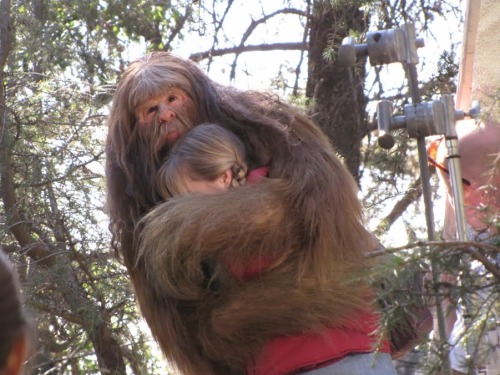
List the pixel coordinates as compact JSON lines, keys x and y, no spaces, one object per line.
{"x":290,"y":354}
{"x":257,"y":174}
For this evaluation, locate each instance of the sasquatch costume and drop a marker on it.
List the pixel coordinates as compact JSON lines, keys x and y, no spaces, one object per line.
{"x":306,"y":218}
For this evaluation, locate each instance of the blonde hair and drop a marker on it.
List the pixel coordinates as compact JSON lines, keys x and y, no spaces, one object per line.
{"x":202,"y":154}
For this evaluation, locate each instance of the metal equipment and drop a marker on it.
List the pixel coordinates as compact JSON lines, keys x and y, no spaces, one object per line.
{"x":420,"y":119}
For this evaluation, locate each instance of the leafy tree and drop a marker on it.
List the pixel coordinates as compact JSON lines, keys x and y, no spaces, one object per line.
{"x":59,"y":61}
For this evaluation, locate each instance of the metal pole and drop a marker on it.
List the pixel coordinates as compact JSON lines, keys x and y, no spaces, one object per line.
{"x":451,"y":141}
{"x":411,"y":70}
{"x":453,"y":157}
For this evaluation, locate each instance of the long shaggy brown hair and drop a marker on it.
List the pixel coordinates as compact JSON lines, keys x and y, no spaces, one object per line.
{"x":306,"y":217}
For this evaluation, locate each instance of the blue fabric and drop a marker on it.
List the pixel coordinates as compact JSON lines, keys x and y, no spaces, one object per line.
{"x":359,"y":364}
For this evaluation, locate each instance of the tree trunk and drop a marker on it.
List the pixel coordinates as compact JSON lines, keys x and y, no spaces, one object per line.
{"x":336,"y":93}
{"x":107,"y":348}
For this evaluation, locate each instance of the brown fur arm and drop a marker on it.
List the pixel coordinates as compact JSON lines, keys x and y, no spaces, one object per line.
{"x":229,"y":228}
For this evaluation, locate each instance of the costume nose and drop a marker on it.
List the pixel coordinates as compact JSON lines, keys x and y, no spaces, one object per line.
{"x":166,"y":114}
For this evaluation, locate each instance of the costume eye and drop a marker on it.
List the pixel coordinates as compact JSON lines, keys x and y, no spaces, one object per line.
{"x":152,"y":109}
{"x":172,"y":98}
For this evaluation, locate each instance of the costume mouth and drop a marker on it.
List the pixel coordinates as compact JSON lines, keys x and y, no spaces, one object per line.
{"x":170,"y":131}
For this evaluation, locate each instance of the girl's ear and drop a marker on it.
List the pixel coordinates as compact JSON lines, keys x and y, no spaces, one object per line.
{"x":227,"y":178}
{"x":17,"y":356}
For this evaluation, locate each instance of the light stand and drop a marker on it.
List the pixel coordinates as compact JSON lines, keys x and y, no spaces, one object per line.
{"x":420,"y":119}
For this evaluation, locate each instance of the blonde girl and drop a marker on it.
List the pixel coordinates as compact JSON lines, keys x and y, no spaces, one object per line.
{"x":208,"y":159}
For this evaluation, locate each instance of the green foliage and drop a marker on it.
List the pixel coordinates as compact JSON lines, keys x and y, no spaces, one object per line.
{"x":442,"y":81}
{"x":56,"y":146}
{"x":54,"y":133}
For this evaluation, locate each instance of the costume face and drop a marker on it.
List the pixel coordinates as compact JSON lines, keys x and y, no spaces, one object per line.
{"x":173,"y":110}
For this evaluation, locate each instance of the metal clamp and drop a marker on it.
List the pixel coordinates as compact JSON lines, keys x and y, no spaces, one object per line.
{"x":383,"y":47}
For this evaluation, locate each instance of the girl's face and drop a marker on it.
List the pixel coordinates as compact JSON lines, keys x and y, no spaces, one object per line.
{"x":220,"y":184}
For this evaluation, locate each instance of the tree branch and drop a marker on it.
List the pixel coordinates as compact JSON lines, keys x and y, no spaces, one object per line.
{"x":413,"y":193}
{"x":251,"y":28}
{"x":451,"y":246}
{"x":299,"y":46}
{"x":60,"y":312}
{"x":179,"y":25}
{"x":304,"y":40}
